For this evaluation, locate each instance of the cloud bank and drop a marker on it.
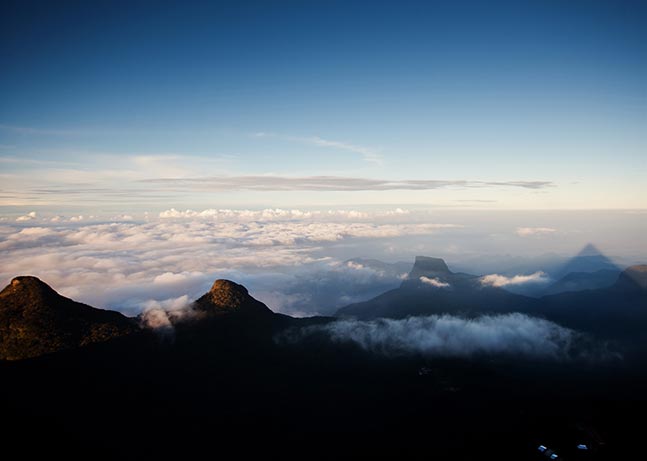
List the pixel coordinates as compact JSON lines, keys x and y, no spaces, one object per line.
{"x":434,"y":282}
{"x":330,"y":183}
{"x":496,"y":280}
{"x":449,"y":336}
{"x":283,"y":257}
{"x":532,"y":231}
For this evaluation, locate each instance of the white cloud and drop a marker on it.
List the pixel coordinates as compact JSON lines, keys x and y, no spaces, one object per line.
{"x":449,"y":336}
{"x":159,"y":315}
{"x":275,"y":214}
{"x":531,"y":231}
{"x":434,"y":282}
{"x":28,"y":217}
{"x":496,"y":280}
{"x":265,"y":183}
{"x":354,"y":265}
{"x":125,"y":265}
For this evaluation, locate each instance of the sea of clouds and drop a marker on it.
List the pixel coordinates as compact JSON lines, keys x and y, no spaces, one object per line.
{"x":173,"y":257}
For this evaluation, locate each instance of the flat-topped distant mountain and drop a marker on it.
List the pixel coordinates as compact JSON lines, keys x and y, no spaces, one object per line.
{"x":432,"y":288}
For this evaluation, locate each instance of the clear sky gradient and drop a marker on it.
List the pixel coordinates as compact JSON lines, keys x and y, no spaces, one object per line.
{"x":152,"y":105}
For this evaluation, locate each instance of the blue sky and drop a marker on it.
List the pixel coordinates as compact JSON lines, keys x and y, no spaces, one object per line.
{"x":506,"y":105}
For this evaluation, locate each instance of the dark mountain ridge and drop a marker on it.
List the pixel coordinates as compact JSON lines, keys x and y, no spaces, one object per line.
{"x":580,"y":281}
{"x":225,"y":384}
{"x":36,"y":320}
{"x":432,"y":288}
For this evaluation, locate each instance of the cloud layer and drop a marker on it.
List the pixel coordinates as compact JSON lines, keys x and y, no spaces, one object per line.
{"x":496,"y":280}
{"x":532,"y":231}
{"x":449,"y":336}
{"x":330,"y":183}
{"x":434,"y":282}
{"x":282,"y":256}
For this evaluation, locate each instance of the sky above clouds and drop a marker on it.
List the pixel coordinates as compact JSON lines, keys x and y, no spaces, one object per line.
{"x":506,"y":105}
{"x":165,"y":144}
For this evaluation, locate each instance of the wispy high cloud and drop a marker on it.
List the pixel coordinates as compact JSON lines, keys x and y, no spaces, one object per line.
{"x":531,"y":231}
{"x":331,"y":183}
{"x":496,"y":280}
{"x":369,"y":154}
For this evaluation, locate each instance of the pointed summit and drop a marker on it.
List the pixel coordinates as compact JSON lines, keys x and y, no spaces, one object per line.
{"x":36,"y":320}
{"x":590,"y":250}
{"x":227,"y":297}
{"x":588,"y":259}
{"x":29,"y":286}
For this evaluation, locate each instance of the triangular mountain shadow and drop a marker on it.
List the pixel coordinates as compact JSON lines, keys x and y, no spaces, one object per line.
{"x":588,"y":259}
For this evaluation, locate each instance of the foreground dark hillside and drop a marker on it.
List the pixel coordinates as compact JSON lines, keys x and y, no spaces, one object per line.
{"x":228,"y":386}
{"x":36,"y":320}
{"x":218,"y":383}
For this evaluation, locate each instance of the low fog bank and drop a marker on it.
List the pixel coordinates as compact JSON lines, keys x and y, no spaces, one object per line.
{"x":450,"y":336}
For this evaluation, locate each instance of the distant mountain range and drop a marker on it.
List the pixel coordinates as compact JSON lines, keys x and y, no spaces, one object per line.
{"x":431,"y":288}
{"x":579,"y":281}
{"x":81,"y":382}
{"x":35,"y":320}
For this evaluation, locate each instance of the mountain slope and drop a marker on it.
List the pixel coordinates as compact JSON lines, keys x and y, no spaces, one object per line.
{"x":616,"y":312}
{"x":431,"y":288}
{"x":36,"y":320}
{"x":227,"y":297}
{"x":579,"y":281}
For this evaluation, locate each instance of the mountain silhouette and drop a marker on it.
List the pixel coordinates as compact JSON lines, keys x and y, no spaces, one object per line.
{"x":36,"y":320}
{"x":225,"y":383}
{"x":579,"y":281}
{"x":432,"y":288}
{"x":617,"y":312}
{"x":425,"y":266}
{"x":633,"y":279}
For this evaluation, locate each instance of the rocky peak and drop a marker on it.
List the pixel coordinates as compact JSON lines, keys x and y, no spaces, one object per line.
{"x":226,"y":297}
{"x":36,"y":320}
{"x":28,"y":285}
